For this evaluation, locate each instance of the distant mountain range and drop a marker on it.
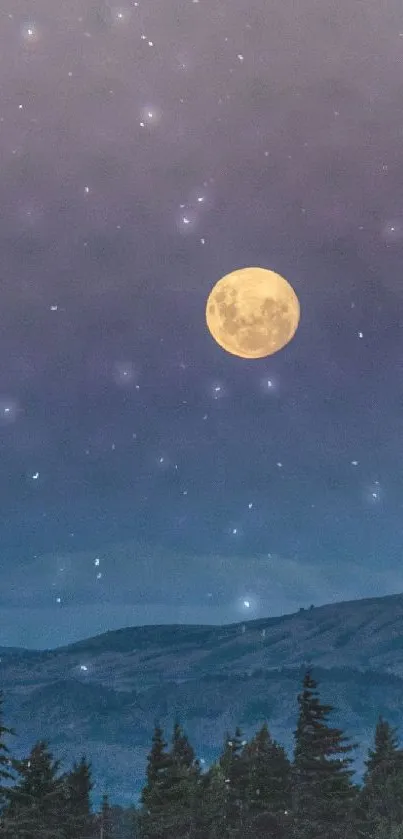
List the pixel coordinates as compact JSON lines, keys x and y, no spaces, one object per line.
{"x":100,"y":697}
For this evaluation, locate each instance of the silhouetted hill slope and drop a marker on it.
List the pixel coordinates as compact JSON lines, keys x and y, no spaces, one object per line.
{"x":102,"y":695}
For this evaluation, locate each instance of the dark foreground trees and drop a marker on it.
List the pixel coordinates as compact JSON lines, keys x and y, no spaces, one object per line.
{"x":381,"y":798}
{"x":268,"y":786}
{"x":253,"y":790}
{"x":37,"y":802}
{"x":5,"y":758}
{"x":44,"y":804}
{"x":323,"y":795}
{"x":169,"y":796}
{"x":77,"y":790}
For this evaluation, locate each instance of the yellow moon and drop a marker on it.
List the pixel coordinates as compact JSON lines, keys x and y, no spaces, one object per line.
{"x":252,"y":312}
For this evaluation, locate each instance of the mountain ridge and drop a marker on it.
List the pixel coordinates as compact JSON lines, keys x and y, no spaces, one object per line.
{"x":101,"y":695}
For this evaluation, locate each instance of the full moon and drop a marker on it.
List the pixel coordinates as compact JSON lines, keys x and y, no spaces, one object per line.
{"x":252,"y":312}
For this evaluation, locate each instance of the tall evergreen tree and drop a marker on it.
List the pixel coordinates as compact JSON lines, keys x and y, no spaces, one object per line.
{"x":323,"y":792}
{"x":182,"y":777}
{"x":106,"y":825}
{"x":155,"y":793}
{"x":78,"y":786}
{"x":182,"y":752}
{"x":124,"y":823}
{"x":269,"y":786}
{"x":235,"y":769}
{"x":384,"y":751}
{"x":169,"y":798}
{"x":381,"y":798}
{"x":5,"y":758}
{"x":37,"y":803}
{"x":211,"y":805}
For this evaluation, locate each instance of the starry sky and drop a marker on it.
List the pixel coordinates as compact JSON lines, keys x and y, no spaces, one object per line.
{"x":146,"y":150}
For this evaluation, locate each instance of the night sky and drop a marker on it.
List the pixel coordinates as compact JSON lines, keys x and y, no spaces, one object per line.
{"x":146,"y":475}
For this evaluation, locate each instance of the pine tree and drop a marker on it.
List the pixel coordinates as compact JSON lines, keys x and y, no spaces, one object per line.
{"x":269,"y":786}
{"x":211,"y":806}
{"x":235,"y":768}
{"x":381,"y":799}
{"x":182,"y":752}
{"x":155,"y":793}
{"x":37,"y":803}
{"x":132,"y":822}
{"x":5,"y":759}
{"x":182,"y":778}
{"x":169,"y":797}
{"x":78,"y":785}
{"x":385,"y":749}
{"x":323,"y":793}
{"x":106,"y":827}
{"x":124,"y":822}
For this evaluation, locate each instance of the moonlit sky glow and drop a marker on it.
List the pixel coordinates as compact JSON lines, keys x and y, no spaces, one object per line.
{"x":146,"y":150}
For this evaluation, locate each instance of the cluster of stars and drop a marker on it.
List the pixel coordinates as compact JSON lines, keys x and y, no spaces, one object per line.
{"x":190,"y":212}
{"x":188,"y":215}
{"x":150,"y":116}
{"x":96,"y":563}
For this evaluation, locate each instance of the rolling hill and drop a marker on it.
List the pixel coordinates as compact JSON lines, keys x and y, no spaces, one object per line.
{"x":101,"y":696}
